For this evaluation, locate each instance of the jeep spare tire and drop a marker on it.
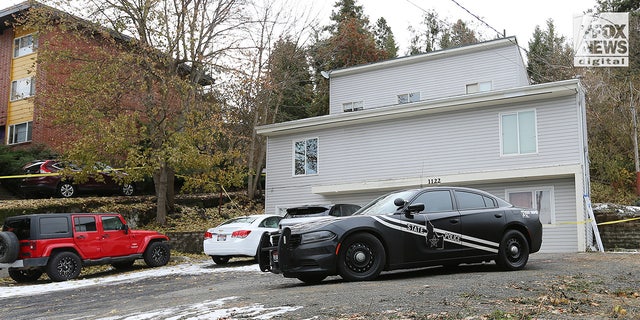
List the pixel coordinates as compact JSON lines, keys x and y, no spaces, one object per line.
{"x":9,"y":247}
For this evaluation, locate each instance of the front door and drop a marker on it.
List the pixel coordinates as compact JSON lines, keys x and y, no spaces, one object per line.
{"x":116,"y":241}
{"x":442,"y":222}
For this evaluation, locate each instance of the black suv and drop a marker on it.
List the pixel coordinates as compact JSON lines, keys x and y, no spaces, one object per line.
{"x":60,"y":244}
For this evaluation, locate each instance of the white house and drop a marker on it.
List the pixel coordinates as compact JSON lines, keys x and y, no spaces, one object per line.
{"x":465,"y":116}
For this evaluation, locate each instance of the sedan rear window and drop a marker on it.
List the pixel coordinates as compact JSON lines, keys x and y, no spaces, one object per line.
{"x":248,"y":220}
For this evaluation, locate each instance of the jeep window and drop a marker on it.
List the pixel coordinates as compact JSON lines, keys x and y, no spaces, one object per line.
{"x":20,"y":227}
{"x":111,"y":223}
{"x":84,"y":224}
{"x":54,"y":225}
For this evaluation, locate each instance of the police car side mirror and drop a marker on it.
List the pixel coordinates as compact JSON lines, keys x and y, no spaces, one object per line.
{"x":412,"y":209}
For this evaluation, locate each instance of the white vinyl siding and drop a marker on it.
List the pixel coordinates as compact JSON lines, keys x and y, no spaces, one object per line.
{"x":436,"y":142}
{"x":518,"y":132}
{"x":434,"y":78}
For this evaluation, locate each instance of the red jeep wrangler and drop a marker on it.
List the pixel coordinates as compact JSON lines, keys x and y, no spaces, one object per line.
{"x":60,"y":244}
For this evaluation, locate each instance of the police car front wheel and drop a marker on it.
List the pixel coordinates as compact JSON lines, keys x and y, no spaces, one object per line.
{"x":362,"y":257}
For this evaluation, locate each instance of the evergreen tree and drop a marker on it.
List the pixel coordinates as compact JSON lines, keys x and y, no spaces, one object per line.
{"x":384,"y":38}
{"x":350,"y":42}
{"x":550,"y":57}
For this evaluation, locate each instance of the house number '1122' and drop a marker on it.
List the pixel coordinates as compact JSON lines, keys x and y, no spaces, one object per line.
{"x":433,"y":180}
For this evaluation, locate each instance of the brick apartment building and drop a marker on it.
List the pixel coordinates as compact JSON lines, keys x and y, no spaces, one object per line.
{"x":18,"y":52}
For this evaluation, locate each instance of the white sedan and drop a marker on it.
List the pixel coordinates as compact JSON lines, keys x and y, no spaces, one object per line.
{"x":238,"y":237}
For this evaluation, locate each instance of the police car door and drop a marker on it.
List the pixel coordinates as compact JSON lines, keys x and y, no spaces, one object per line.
{"x":442,"y":223}
{"x":482,"y":220}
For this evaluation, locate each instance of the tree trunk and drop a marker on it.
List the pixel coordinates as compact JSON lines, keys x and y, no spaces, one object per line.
{"x":161,"y":186}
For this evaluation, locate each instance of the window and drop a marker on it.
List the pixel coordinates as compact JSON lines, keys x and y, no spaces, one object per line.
{"x":84,"y":224}
{"x":305,"y":157}
{"x":111,"y":223}
{"x":435,"y":201}
{"x":470,"y":200}
{"x":22,"y":88}
{"x":24,"y":46}
{"x":54,"y":225}
{"x":519,"y":134}
{"x":540,"y":199}
{"x":353,"y":106}
{"x":479,"y":87}
{"x":19,"y":133}
{"x":408,"y":97}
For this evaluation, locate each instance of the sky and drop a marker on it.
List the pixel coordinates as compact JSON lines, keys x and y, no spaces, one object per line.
{"x":516,"y":17}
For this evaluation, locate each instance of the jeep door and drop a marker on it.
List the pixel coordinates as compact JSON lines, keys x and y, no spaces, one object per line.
{"x":116,"y":240}
{"x":86,"y":236}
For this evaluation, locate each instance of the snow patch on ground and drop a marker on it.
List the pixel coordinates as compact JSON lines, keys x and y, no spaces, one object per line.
{"x":182,"y":269}
{"x":209,"y":310}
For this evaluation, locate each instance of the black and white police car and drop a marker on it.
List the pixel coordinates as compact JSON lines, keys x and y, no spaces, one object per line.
{"x":405,"y":229}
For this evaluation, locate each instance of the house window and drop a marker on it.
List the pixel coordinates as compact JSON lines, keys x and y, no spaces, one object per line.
{"x":479,"y":87}
{"x":19,"y":133}
{"x":24,"y":46}
{"x":22,"y":88}
{"x":305,"y":157}
{"x":518,"y":132}
{"x":353,"y":106}
{"x":408,"y":97}
{"x":539,"y":199}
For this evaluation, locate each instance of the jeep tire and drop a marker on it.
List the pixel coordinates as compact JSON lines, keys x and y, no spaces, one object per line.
{"x":64,"y":266}
{"x":25,"y":275}
{"x":157,"y":254}
{"x":9,"y":247}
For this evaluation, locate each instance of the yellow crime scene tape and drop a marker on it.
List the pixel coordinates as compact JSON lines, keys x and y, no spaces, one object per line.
{"x":31,"y":175}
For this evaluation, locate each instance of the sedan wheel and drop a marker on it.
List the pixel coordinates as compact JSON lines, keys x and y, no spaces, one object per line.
{"x":128,"y":190}
{"x":220,"y":259}
{"x":362,"y":258}
{"x":66,"y":190}
{"x":514,"y":251}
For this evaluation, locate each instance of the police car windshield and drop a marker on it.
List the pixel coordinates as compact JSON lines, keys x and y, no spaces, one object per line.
{"x":384,"y":204}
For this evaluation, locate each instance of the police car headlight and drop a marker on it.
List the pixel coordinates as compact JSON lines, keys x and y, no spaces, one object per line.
{"x":317,"y":236}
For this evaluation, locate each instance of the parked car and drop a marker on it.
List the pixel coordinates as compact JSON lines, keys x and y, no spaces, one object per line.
{"x":60,"y":244}
{"x":406,"y":229}
{"x":238,"y":237}
{"x":308,"y":213}
{"x":66,"y":187}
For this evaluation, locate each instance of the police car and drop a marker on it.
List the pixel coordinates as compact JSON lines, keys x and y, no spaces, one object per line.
{"x":405,"y":229}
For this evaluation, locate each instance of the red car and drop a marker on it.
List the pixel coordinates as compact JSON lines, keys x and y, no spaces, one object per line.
{"x":64,"y":186}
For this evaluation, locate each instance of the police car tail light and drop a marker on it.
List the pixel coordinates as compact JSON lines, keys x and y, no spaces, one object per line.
{"x":208,"y":235}
{"x":240,"y":234}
